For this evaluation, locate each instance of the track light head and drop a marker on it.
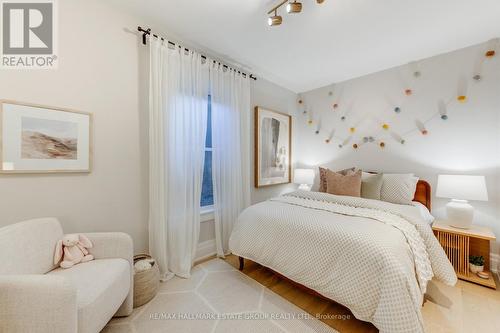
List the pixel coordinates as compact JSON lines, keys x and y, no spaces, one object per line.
{"x":274,"y":20}
{"x":294,"y":7}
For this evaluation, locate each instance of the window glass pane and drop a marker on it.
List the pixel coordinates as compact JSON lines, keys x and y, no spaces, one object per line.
{"x":208,"y":139}
{"x":207,"y":194}
{"x":207,"y":191}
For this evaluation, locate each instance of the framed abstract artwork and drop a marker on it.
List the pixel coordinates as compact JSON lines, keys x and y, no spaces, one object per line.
{"x":273,"y":145}
{"x":40,"y":139}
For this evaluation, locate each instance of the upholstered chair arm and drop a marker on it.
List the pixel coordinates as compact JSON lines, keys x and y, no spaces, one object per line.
{"x":37,"y":303}
{"x":108,"y":245}
{"x":111,"y":245}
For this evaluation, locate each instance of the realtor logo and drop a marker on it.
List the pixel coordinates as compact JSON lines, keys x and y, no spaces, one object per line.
{"x":28,"y":34}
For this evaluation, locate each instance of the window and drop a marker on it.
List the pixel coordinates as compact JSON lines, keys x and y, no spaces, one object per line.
{"x":207,"y":190}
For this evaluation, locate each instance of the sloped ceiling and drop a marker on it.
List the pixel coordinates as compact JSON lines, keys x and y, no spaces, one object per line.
{"x":327,"y":43}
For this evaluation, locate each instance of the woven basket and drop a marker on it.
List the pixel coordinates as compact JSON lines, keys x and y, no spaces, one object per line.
{"x":146,"y":283}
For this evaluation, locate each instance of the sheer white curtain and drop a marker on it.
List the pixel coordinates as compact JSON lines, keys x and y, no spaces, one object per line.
{"x":177,"y":125}
{"x":230,"y":94}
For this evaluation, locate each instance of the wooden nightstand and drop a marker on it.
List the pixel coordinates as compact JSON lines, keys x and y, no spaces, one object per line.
{"x":460,"y":243}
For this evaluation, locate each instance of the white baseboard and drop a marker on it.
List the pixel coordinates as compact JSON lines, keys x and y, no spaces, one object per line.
{"x":205,"y":249}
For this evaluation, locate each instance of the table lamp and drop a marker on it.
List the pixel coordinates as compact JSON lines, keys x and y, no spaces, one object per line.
{"x":305,"y":178}
{"x":459,"y":189}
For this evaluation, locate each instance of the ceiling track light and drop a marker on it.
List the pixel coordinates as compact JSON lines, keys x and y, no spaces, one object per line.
{"x":294,"y":7}
{"x":275,"y":19}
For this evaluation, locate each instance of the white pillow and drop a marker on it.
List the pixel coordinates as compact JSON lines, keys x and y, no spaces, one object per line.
{"x":424,"y":212}
{"x":398,"y":188}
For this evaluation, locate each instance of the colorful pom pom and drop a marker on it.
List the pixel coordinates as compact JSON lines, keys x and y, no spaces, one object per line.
{"x":397,"y":109}
{"x":424,"y":132}
{"x":490,"y":53}
{"x":327,"y":141}
{"x":408,"y":92}
{"x":352,"y":129}
{"x":382,"y":144}
{"x":462,"y":98}
{"x":385,"y":126}
{"x":355,"y":146}
{"x":300,"y":101}
{"x":444,"y":117}
{"x":335,"y":105}
{"x":310,"y":122}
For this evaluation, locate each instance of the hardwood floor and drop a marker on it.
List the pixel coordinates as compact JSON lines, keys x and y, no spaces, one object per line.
{"x":329,"y":312}
{"x":463,"y":308}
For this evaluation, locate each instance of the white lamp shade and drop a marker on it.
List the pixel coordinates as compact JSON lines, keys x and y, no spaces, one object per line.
{"x":303,"y":176}
{"x":462,"y":187}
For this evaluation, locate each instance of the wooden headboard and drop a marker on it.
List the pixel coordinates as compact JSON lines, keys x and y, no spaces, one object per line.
{"x":423,"y":193}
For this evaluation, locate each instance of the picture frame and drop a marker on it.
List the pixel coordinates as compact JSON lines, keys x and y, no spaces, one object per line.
{"x":44,"y":139}
{"x":273,"y":147}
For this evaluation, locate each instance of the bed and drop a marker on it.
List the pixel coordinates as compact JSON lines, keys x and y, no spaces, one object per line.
{"x":371,"y":256}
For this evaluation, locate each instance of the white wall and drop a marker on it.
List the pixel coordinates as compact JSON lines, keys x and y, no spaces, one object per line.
{"x":98,"y":73}
{"x":102,"y":70}
{"x":467,"y":143}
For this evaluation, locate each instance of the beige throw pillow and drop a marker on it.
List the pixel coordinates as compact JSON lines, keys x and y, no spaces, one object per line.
{"x":371,"y":185}
{"x":322,"y":176}
{"x":398,"y":188}
{"x":339,"y":184}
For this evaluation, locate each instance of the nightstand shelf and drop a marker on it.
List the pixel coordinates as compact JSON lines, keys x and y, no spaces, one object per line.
{"x":460,"y":243}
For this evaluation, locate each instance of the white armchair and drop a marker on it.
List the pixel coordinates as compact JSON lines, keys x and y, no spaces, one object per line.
{"x":36,"y":296}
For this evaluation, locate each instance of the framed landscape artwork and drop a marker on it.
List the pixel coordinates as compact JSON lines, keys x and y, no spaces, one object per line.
{"x":273,"y":145}
{"x":39,"y":139}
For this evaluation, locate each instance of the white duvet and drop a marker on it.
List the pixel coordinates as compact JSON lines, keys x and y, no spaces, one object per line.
{"x":371,"y":256}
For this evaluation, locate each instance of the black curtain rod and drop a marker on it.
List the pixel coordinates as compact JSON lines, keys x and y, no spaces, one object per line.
{"x":146,"y":32}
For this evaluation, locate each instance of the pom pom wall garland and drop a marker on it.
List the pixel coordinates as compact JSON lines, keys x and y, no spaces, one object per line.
{"x":385,"y":127}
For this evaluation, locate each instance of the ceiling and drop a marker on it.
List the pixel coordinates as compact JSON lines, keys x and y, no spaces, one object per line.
{"x":328,"y":43}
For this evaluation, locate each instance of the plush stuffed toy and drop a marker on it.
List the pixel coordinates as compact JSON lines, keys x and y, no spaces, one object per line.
{"x":74,"y":247}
